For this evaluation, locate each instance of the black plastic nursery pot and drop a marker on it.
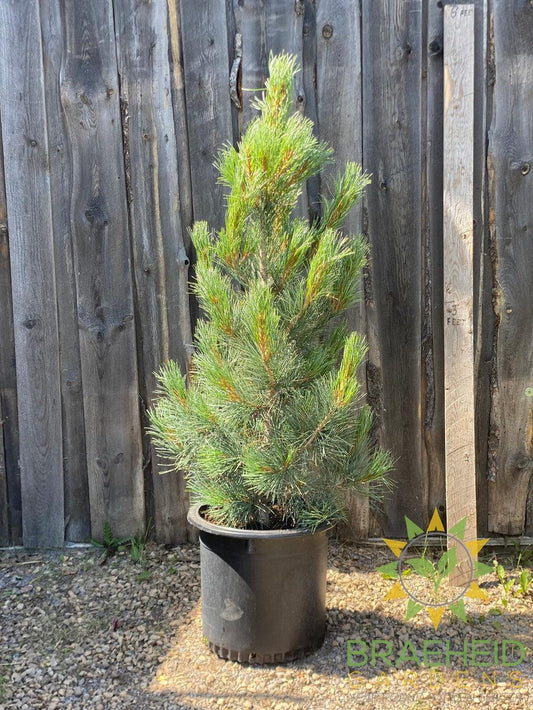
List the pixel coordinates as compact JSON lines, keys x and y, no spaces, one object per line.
{"x":263,"y":591}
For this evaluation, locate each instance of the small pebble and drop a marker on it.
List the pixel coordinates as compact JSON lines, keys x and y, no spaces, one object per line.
{"x":69,"y":657}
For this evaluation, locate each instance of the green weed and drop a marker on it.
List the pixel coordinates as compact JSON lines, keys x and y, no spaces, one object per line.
{"x":514,"y":586}
{"x":525,"y":581}
{"x":110,"y":544}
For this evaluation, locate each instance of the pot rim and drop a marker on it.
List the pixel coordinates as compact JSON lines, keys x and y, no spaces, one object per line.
{"x":196,"y":519}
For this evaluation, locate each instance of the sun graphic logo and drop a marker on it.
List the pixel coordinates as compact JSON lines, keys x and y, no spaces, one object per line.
{"x":435,"y":569}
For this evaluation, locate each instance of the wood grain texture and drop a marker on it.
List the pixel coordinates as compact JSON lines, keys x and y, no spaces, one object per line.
{"x":26,"y":164}
{"x":98,"y":213}
{"x":483,"y":311}
{"x":511,"y":221}
{"x":180,"y":114}
{"x":339,"y":123}
{"x":182,"y":142}
{"x":234,"y":40}
{"x":77,"y":515}
{"x":159,"y":257}
{"x":10,"y":485}
{"x":458,"y":240}
{"x":6,"y":332}
{"x":206,"y":72}
{"x":254,"y":67}
{"x":432,"y":331}
{"x":73,"y":128}
{"x":391,"y":68}
{"x":309,"y":76}
{"x":4,"y":517}
{"x":276,"y":26}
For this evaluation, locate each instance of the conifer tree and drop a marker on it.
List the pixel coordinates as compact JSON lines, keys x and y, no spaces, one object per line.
{"x":269,"y":425}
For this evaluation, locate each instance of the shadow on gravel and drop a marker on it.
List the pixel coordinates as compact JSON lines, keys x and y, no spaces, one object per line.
{"x":192,"y":677}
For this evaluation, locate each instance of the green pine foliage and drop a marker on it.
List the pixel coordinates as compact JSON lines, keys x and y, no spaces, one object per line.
{"x":269,"y":424}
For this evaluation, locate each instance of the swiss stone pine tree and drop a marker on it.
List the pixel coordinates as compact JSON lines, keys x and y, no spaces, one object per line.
{"x":269,"y":424}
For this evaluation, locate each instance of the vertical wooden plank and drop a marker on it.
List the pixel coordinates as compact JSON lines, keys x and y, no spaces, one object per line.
{"x":4,"y":519}
{"x":432,"y":335}
{"x":6,"y":331}
{"x":254,"y":68}
{"x":234,"y":40}
{"x":204,"y":46}
{"x":26,"y":164}
{"x":458,"y":223}
{"x":284,"y":33}
{"x":10,"y":488}
{"x":90,"y":100}
{"x":338,"y":79}
{"x":391,"y":69}
{"x":182,"y":144}
{"x":309,"y":58}
{"x":432,"y":331}
{"x":483,"y":311}
{"x":180,"y":115}
{"x":511,"y":223}
{"x":276,"y":26}
{"x":206,"y":71}
{"x":77,"y":513}
{"x":339,"y":111}
{"x":159,"y":257}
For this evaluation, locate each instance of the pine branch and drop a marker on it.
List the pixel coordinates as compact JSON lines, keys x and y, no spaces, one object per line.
{"x":267,"y":423}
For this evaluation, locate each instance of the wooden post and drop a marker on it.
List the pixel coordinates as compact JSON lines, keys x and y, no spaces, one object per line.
{"x":101,"y":258}
{"x":392,"y":140}
{"x":510,"y":182}
{"x":160,"y":263}
{"x":339,"y":116}
{"x":27,"y":179}
{"x":458,"y":274}
{"x":4,"y":526}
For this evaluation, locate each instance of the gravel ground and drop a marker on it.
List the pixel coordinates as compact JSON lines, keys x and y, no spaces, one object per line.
{"x":76,"y":633}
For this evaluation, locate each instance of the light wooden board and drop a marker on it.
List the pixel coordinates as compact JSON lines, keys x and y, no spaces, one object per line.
{"x":159,"y":257}
{"x":101,"y":250}
{"x":26,"y":164}
{"x":511,"y":222}
{"x":77,"y":516}
{"x":391,"y":69}
{"x":432,"y":335}
{"x":458,"y":223}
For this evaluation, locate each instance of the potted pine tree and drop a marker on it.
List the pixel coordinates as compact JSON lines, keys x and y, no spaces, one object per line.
{"x":269,"y":425}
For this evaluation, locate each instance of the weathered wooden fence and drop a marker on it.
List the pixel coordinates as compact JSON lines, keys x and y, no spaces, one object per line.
{"x":112,"y":112}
